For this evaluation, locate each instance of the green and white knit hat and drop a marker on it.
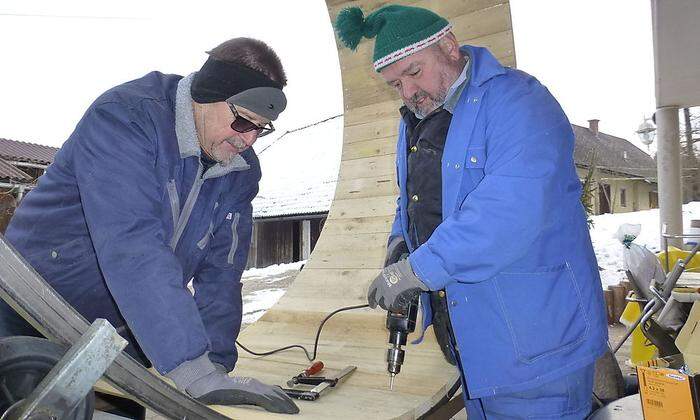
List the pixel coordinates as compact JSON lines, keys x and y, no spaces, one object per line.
{"x":399,"y":30}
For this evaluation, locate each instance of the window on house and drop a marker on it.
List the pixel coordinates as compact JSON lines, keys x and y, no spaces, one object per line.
{"x":623,"y":197}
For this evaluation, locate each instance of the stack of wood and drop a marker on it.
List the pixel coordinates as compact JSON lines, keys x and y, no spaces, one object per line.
{"x":615,"y":302}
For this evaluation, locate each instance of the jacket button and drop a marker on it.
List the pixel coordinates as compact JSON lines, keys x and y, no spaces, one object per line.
{"x":441,"y":293}
{"x":415,"y":197}
{"x":54,"y":254}
{"x":414,"y":149}
{"x":472,"y":159}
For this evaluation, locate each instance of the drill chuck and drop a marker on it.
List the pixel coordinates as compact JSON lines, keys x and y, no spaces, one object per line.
{"x":399,"y":326}
{"x":394,"y":359}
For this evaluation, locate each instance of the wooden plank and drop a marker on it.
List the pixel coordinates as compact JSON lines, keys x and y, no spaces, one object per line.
{"x":369,"y":148}
{"x":362,"y":207}
{"x":370,"y":167}
{"x":381,"y":224}
{"x":373,"y":128}
{"x":366,"y":187}
{"x":370,"y":113}
{"x":347,"y":251}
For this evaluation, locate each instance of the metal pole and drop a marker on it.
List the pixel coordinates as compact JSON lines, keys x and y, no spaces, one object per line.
{"x":305,"y":239}
{"x":20,"y":193}
{"x":668,"y":161}
{"x":64,"y":388}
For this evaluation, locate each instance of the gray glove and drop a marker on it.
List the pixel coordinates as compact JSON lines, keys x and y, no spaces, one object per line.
{"x":201,"y":379}
{"x":395,"y":287}
{"x":395,"y":250}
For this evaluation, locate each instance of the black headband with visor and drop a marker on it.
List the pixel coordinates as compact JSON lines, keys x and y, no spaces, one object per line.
{"x":219,"y":81}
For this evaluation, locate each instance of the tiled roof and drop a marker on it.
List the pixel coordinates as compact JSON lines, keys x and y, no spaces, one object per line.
{"x":26,"y":152}
{"x":612,"y":153}
{"x":10,"y":173}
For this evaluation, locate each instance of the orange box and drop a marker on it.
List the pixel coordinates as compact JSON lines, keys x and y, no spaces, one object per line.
{"x":667,"y":394}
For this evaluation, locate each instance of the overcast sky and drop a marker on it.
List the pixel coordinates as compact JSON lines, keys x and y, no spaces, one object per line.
{"x":56,"y":57}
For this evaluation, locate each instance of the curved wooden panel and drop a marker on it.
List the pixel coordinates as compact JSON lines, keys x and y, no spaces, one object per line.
{"x":351,"y":249}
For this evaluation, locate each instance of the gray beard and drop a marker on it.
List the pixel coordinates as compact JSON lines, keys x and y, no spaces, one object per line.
{"x":236,"y":142}
{"x":440,"y":101}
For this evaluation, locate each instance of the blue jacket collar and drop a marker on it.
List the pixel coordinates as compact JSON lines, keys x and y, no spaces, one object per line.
{"x":484,"y":65}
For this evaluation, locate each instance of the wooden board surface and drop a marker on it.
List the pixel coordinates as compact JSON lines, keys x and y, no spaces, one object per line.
{"x":351,"y":249}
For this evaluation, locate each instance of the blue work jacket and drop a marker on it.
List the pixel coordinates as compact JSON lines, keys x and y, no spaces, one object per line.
{"x":124,"y":218}
{"x":512,"y":252}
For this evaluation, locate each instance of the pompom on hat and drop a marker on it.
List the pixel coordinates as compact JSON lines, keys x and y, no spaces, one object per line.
{"x":399,"y":31}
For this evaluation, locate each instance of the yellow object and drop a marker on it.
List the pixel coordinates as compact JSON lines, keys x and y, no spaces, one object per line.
{"x":688,"y":340}
{"x":665,"y":394}
{"x":642,"y":350}
{"x":676,"y":254}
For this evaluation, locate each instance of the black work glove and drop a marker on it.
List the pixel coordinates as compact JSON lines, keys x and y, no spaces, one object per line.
{"x":395,"y":250}
{"x":395,"y":287}
{"x":206,"y":383}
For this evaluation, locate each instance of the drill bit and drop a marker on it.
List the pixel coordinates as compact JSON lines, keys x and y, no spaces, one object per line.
{"x":391,"y":381}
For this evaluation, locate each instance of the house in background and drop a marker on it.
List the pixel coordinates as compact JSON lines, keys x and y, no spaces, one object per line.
{"x":299,"y":175}
{"x":21,"y":164}
{"x":624,"y":176}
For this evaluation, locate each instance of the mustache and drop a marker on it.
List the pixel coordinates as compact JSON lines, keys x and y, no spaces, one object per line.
{"x":418,"y":96}
{"x":237,"y":143}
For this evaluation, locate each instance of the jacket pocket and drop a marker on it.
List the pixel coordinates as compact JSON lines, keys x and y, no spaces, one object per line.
{"x":474,"y":164}
{"x":202,"y":243}
{"x":64,"y":255}
{"x":543,"y":310}
{"x":234,"y":238}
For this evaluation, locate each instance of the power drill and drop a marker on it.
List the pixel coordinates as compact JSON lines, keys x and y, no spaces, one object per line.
{"x":399,"y":326}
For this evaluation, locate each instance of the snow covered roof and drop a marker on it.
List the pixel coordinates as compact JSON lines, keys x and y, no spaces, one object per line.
{"x":299,"y":170}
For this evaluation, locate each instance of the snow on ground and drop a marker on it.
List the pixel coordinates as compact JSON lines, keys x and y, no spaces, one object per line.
{"x":608,"y":249}
{"x":256,"y":303}
{"x":263,"y":287}
{"x":271,"y":273}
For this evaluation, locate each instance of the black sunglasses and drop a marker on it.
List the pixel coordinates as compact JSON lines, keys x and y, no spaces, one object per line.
{"x":244,"y":125}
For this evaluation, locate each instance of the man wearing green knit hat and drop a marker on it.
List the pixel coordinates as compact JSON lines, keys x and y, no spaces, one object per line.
{"x":489,"y":217}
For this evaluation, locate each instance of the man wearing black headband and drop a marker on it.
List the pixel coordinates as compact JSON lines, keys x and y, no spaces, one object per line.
{"x":154,"y":189}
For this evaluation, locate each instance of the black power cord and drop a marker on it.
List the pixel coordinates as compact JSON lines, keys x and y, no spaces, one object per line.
{"x":318,"y":335}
